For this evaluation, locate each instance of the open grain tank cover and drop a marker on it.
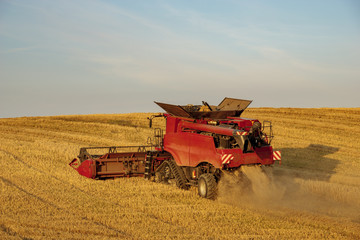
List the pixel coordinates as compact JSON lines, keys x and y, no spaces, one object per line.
{"x":229,"y":107}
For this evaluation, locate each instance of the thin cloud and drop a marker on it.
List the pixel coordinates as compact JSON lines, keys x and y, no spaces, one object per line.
{"x":23,"y":49}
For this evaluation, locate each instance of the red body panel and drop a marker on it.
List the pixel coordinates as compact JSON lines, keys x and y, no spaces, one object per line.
{"x":178,"y":145}
{"x":189,"y":148}
{"x":261,"y":156}
{"x":87,"y":169}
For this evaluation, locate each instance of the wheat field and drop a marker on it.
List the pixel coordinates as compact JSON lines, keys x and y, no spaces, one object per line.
{"x":313,"y":194}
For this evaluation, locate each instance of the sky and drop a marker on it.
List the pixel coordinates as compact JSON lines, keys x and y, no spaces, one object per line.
{"x":87,"y":57}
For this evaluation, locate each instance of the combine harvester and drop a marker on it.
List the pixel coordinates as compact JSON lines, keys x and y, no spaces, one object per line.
{"x":201,"y":143}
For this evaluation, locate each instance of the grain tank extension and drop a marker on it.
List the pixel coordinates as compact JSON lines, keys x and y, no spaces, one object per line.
{"x":200,"y":143}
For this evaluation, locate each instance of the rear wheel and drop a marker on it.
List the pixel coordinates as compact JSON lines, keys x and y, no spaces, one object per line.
{"x":207,"y":186}
{"x":178,"y":174}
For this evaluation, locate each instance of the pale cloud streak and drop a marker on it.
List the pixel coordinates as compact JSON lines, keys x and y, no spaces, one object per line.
{"x":248,"y":35}
{"x":22,"y":49}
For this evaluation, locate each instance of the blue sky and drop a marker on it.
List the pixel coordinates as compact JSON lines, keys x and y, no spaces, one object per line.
{"x":82,"y":57}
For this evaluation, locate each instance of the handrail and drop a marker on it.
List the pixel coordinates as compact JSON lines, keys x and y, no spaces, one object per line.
{"x":84,"y":154}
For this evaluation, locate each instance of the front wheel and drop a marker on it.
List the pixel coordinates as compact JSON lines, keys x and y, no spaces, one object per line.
{"x":207,"y":186}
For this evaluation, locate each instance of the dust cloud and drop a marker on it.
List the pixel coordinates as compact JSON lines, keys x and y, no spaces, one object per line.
{"x":263,"y":188}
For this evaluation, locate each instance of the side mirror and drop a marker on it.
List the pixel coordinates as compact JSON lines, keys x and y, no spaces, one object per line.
{"x":154,"y":116}
{"x":150,"y":122}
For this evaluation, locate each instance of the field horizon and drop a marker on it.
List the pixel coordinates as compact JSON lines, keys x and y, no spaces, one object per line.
{"x":313,"y":194}
{"x":98,"y":114}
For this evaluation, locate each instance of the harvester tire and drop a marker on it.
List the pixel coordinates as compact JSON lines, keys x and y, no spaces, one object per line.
{"x":178,"y":174}
{"x":207,"y":186}
{"x":159,"y":177}
{"x":169,"y":172}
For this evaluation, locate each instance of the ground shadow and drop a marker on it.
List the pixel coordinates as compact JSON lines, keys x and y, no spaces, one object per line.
{"x":303,"y":181}
{"x":310,"y":163}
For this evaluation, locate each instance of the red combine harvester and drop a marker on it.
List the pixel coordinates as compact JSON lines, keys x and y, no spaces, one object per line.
{"x":200,"y":143}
